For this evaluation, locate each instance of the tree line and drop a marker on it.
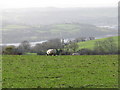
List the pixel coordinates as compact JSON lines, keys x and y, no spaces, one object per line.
{"x":103,"y":47}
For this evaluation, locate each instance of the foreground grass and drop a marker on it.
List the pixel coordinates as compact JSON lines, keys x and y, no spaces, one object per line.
{"x":60,"y":71}
{"x":0,"y":71}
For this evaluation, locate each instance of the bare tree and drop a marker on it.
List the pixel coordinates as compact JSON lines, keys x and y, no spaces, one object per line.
{"x":24,"y":47}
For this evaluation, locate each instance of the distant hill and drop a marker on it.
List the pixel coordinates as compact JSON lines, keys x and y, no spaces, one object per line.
{"x":36,"y":24}
{"x":90,"y":44}
{"x":18,"y":33}
{"x":46,"y":16}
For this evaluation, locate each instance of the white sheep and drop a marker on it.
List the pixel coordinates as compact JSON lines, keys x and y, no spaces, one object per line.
{"x":51,"y":52}
{"x":75,"y":54}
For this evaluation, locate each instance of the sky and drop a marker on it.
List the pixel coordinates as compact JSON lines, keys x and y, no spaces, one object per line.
{"x":57,"y":3}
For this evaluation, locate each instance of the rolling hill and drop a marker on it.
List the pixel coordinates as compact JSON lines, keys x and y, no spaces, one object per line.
{"x":48,"y":15}
{"x":18,"y":33}
{"x":90,"y":44}
{"x":38,"y":24}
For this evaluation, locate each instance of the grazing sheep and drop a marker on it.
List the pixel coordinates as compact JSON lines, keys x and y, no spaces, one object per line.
{"x":51,"y":52}
{"x":75,"y":54}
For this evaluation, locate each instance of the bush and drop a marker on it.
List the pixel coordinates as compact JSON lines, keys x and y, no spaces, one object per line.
{"x":85,"y":51}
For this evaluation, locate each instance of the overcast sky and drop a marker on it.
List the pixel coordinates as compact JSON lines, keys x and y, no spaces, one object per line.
{"x":57,"y":3}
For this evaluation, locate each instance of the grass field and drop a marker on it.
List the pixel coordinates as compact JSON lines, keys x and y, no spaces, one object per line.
{"x":90,"y":44}
{"x":60,"y":71}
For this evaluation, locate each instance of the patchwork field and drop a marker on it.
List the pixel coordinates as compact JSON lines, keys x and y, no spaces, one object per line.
{"x":60,"y":71}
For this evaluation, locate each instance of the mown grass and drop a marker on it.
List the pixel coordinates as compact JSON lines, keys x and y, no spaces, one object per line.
{"x":0,"y":72}
{"x":91,"y":44}
{"x":60,"y":71}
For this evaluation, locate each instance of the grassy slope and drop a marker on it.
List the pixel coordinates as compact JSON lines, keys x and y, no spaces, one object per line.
{"x":57,"y":28}
{"x":37,"y":33}
{"x":60,"y":71}
{"x":14,"y":27}
{"x":90,"y":44}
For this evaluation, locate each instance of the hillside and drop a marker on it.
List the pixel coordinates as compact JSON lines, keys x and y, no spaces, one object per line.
{"x":20,"y":32}
{"x":38,"y":24}
{"x":46,"y":16}
{"x":90,"y":44}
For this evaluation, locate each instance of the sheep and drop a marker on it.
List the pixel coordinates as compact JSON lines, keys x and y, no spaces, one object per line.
{"x":51,"y":52}
{"x":75,"y":54}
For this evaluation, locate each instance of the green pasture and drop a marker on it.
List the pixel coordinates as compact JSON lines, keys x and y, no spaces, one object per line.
{"x":34,"y":71}
{"x":90,"y":44}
